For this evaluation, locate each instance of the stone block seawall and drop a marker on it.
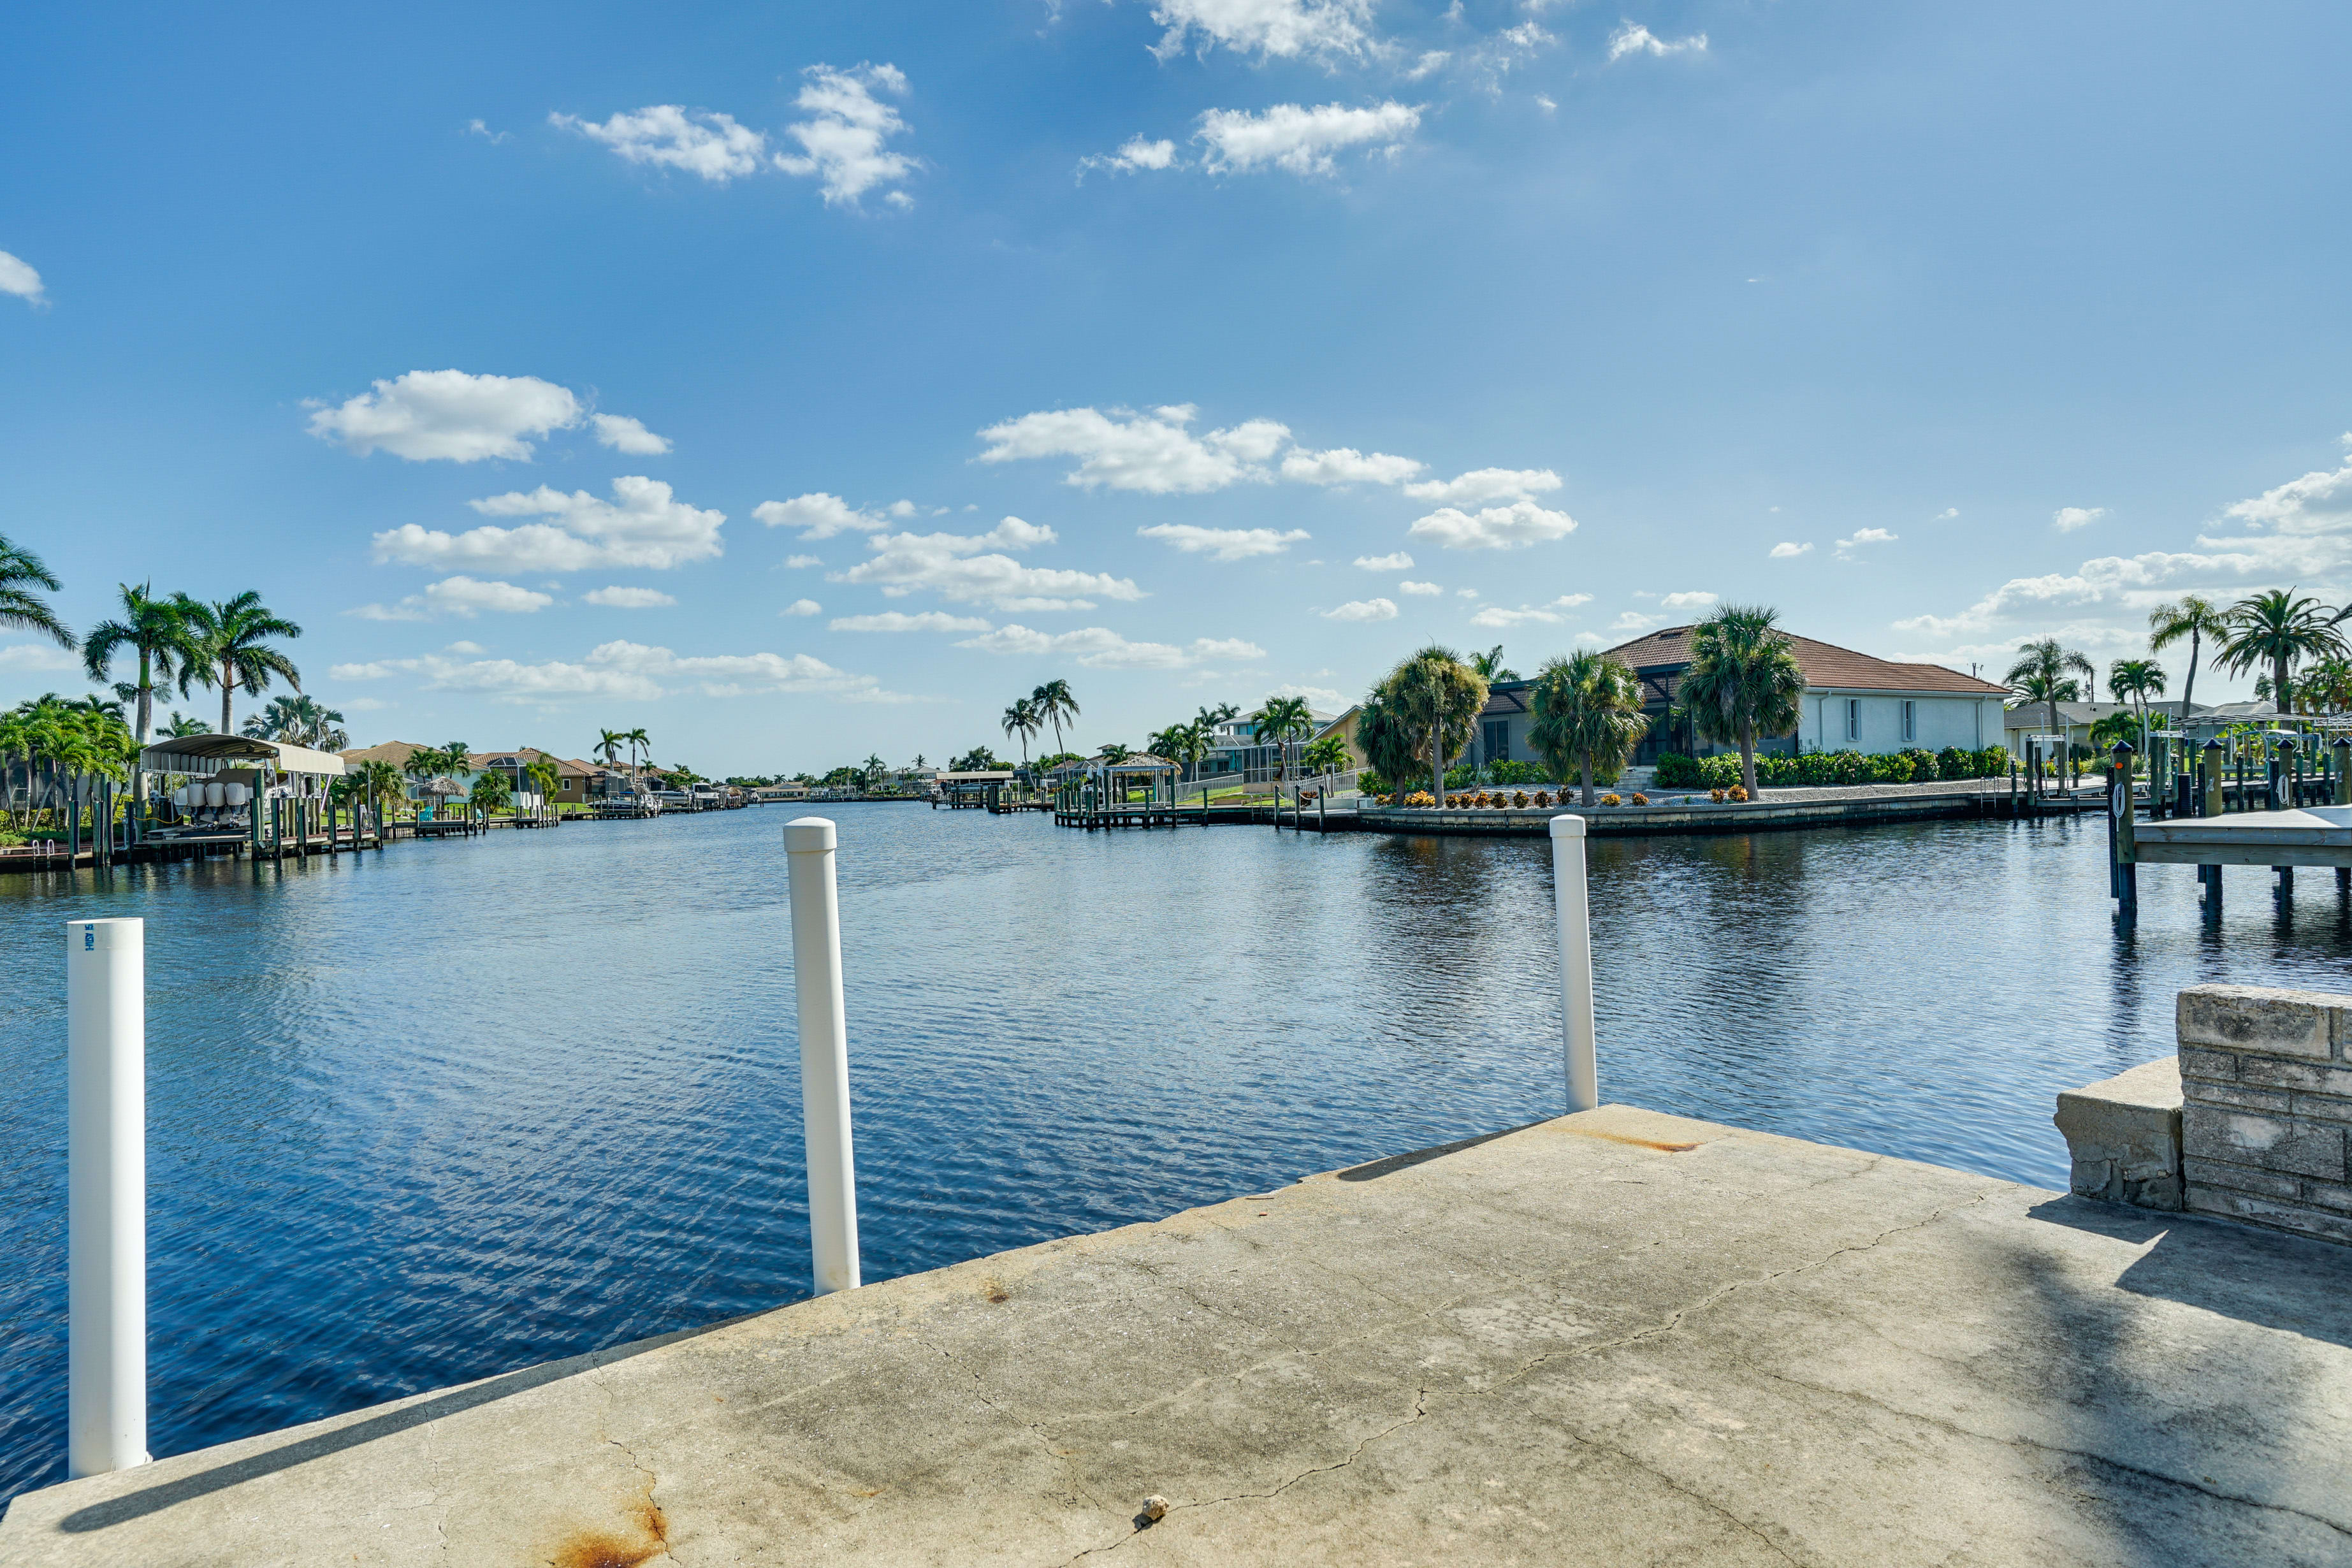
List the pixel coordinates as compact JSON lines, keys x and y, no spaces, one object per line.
{"x":2266,"y":1107}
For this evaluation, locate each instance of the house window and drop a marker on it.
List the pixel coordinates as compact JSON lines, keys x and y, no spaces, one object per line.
{"x":1910,"y":720}
{"x":1498,"y":740}
{"x":1853,"y":718}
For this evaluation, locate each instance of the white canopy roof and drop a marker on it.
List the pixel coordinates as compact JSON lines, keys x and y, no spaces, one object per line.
{"x":210,"y":753}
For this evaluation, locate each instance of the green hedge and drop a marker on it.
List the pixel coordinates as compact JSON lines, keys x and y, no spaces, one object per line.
{"x":1834,"y":768}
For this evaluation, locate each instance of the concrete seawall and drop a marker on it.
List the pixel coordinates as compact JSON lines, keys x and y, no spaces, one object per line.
{"x":1708,"y":817}
{"x":1611,"y":1338}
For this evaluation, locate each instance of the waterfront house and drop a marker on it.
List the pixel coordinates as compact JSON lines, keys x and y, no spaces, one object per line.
{"x":2024,"y":719}
{"x":1236,"y":755}
{"x":1852,"y":702}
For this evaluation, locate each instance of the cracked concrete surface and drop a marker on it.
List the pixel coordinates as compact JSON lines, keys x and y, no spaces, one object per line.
{"x":1613,"y":1338}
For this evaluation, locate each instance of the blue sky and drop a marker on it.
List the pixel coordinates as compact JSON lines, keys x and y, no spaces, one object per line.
{"x":803,"y":384}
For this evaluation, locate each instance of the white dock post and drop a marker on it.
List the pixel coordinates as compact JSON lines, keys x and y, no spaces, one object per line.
{"x":809,"y":845}
{"x":1575,"y":962}
{"x":106,"y":1195}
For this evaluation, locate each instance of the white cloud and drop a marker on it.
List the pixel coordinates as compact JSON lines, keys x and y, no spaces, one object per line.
{"x":841,"y":144}
{"x":1465,"y":592}
{"x":1544,"y":103}
{"x":1223,"y":544}
{"x":478,"y":128}
{"x":1687,"y":601}
{"x":1494,"y":528}
{"x":2067,"y":519}
{"x":1134,"y":154}
{"x":1634,"y":621}
{"x":1363,"y":610}
{"x":1300,"y":140}
{"x":1430,"y":61}
{"x":1495,"y":615}
{"x":1946,"y":515}
{"x":818,"y":516}
{"x":1098,"y":648}
{"x":953,"y":566}
{"x":1150,"y":451}
{"x":899,"y":621}
{"x":37,"y":657}
{"x":1282,"y":29}
{"x":1486,"y":484}
{"x":620,"y":670}
{"x":430,"y":414}
{"x":1345,"y":465}
{"x":1397,"y":562}
{"x":797,"y":561}
{"x":642,"y":527}
{"x":803,"y":607}
{"x":464,"y":597}
{"x":18,"y":278}
{"x":628,"y":598}
{"x":1788,"y":549}
{"x":1321,"y":697}
{"x":624,"y":434}
{"x":1846,"y":547}
{"x":1410,"y":586}
{"x":664,"y":134}
{"x":1632,"y":38}
{"x":463,"y":646}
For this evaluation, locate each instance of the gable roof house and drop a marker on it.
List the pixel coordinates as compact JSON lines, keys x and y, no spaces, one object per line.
{"x":1852,"y":702}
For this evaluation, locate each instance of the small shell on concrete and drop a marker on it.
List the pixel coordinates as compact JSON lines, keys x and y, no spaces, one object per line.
{"x":1155,"y":1507}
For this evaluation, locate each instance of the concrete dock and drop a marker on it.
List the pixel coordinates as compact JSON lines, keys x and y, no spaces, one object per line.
{"x":1613,"y":1338}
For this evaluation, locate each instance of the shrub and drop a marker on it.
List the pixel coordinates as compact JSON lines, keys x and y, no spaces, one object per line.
{"x":1370,"y":782}
{"x":1675,"y":770}
{"x":1419,"y":797}
{"x":1735,"y":795}
{"x":1519,"y":799}
{"x":1543,"y":798}
{"x":1460,"y":776}
{"x":1610,"y":800}
{"x":1715,"y":796}
{"x":1641,"y":799}
{"x":1510,"y":773}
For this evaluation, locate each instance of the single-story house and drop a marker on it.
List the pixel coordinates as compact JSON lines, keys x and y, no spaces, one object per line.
{"x":1852,"y":702}
{"x":2024,"y":719}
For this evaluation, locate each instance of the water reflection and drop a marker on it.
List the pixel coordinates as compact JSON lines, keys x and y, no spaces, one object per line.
{"x":444,"y":1111}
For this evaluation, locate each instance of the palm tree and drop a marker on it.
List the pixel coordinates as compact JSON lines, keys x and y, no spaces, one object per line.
{"x":1490,"y":665}
{"x":1386,"y":740}
{"x":2045,"y":673}
{"x":491,"y":792}
{"x":233,"y":638}
{"x":1283,"y":720}
{"x":21,"y":608}
{"x":1054,"y":704}
{"x":2135,"y":680}
{"x":1588,"y":714}
{"x":636,"y":738}
{"x":1022,"y":718}
{"x":2276,"y":628}
{"x":299,"y":720}
{"x":543,"y":776}
{"x":1328,"y":755}
{"x":157,"y":630}
{"x":2192,"y":616}
{"x":1440,"y":697}
{"x":1743,"y":681}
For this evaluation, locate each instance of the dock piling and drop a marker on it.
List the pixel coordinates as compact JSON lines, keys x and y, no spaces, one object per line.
{"x":106,"y":1195}
{"x":1575,"y":962}
{"x":808,"y":848}
{"x":2122,"y":818}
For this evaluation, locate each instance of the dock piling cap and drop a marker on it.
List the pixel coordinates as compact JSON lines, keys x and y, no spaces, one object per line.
{"x":809,"y":835}
{"x":1567,"y":825}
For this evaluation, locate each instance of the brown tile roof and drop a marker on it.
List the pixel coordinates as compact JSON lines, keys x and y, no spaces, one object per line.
{"x":1826,"y":666}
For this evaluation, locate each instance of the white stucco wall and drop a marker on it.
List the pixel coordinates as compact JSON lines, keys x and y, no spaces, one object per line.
{"x":1939,"y":719}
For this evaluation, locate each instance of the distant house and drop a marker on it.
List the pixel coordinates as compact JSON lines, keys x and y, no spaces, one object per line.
{"x":2024,"y":719}
{"x":1236,"y":754}
{"x":1852,"y":702}
{"x":576,"y":781}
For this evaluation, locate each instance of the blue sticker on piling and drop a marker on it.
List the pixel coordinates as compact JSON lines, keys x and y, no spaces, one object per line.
{"x":90,"y":938}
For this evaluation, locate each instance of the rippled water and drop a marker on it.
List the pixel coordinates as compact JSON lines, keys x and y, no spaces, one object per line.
{"x":456,"y":1108}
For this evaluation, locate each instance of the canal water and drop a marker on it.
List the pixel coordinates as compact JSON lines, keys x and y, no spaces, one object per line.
{"x":427,"y":1115}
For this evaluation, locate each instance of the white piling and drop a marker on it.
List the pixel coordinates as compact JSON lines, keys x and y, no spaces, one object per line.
{"x":1575,"y":962}
{"x":809,"y":845}
{"x":106,"y":1195}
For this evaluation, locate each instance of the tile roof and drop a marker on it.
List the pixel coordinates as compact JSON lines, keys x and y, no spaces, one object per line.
{"x":1826,"y":666}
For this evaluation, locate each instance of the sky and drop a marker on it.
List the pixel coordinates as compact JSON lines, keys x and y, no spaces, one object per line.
{"x":804,"y":383}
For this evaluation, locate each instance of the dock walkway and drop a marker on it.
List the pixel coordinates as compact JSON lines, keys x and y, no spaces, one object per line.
{"x":1611,"y":1338}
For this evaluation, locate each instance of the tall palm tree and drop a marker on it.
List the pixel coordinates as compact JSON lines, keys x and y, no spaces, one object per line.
{"x":299,"y":720}
{"x":1743,"y":681}
{"x":2135,"y":680}
{"x":2192,"y":616}
{"x":158,"y":631}
{"x":1283,"y":720}
{"x":1022,"y":718}
{"x":22,"y":609}
{"x":1055,"y":704}
{"x":2045,"y":672}
{"x":234,"y":638}
{"x":1440,"y":697}
{"x":1490,"y":665}
{"x":2276,"y":628}
{"x":1588,"y":714}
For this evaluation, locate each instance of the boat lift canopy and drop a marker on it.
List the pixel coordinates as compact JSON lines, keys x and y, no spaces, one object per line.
{"x":204,"y":754}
